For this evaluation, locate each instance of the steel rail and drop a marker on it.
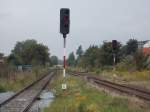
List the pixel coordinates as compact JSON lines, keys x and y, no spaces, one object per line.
{"x":26,"y":89}
{"x":143,"y":94}
{"x":34,"y":99}
{"x":124,"y":86}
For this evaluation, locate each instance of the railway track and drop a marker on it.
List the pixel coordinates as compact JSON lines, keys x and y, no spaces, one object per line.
{"x":130,"y":90}
{"x":23,"y":100}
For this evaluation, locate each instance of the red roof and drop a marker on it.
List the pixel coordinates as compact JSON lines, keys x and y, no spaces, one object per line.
{"x":146,"y":51}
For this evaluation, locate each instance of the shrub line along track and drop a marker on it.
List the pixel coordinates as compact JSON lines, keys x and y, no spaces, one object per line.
{"x":143,"y":94}
{"x":23,"y":100}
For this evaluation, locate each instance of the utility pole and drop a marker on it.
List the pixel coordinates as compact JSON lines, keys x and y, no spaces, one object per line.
{"x":64,"y":30}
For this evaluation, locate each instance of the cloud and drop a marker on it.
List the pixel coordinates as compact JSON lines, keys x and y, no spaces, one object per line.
{"x":5,"y":15}
{"x":92,"y":21}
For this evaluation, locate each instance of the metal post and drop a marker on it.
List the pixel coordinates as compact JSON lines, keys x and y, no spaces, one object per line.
{"x":64,"y":70}
{"x":64,"y":86}
{"x":114,"y":61}
{"x":114,"y":58}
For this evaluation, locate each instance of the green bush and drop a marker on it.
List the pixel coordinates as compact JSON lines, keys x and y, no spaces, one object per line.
{"x":126,"y":64}
{"x":137,"y":61}
{"x":2,"y":89}
{"x":98,"y":71}
{"x":82,"y":108}
{"x":148,"y":62}
{"x":140,"y":60}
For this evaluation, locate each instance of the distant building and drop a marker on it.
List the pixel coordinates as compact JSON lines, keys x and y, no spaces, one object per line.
{"x":146,"y":48}
{"x":24,"y":67}
{"x":19,"y":67}
{"x":141,"y":44}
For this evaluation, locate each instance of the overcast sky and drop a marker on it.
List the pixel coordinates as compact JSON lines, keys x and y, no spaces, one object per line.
{"x":92,"y":22}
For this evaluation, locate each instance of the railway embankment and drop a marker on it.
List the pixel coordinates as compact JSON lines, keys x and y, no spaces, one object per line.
{"x":81,"y":96}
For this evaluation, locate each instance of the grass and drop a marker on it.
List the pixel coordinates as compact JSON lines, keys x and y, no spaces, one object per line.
{"x":82,"y":97}
{"x":19,"y":80}
{"x":128,"y":76}
{"x":143,"y":75}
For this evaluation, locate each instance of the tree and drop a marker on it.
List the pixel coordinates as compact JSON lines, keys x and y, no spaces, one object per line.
{"x":96,"y":57}
{"x":106,"y":53}
{"x":54,"y":60}
{"x":14,"y":59}
{"x":29,"y":52}
{"x":79,"y":51}
{"x":79,"y":54}
{"x":38,"y":54}
{"x":1,"y":55}
{"x":71,"y":59}
{"x":89,"y":59}
{"x":131,"y":47}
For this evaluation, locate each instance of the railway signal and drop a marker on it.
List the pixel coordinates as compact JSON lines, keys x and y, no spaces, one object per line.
{"x":114,"y":47}
{"x":64,"y":30}
{"x":64,"y":20}
{"x":114,"y":44}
